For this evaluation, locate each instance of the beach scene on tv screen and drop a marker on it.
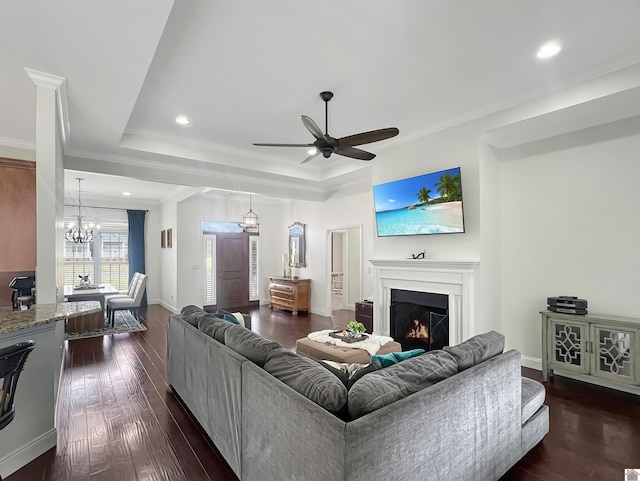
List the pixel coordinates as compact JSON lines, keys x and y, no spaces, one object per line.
{"x":426,"y":204}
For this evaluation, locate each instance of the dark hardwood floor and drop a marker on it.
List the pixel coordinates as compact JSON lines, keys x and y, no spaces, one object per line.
{"x":118,"y":419}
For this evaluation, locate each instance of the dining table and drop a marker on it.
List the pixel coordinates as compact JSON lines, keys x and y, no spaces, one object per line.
{"x":80,"y":293}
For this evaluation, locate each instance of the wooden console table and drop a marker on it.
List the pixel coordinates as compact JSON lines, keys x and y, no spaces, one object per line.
{"x":599,"y":349}
{"x":290,"y":293}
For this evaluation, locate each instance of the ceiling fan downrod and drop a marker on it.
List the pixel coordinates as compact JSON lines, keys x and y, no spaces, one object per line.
{"x":326,"y":96}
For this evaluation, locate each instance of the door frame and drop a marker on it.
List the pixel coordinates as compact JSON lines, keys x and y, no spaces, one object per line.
{"x":347,"y":292}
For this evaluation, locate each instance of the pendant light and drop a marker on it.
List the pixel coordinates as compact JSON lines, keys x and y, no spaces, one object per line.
{"x":250,"y":220}
{"x":78,"y":233}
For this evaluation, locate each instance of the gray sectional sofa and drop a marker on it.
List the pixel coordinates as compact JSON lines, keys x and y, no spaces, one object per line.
{"x":465,"y":413}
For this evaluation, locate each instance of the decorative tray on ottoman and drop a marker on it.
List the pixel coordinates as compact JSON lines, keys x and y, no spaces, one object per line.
{"x":347,"y":336}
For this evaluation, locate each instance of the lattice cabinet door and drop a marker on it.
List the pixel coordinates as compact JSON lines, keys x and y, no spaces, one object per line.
{"x":614,"y":352}
{"x":568,"y":346}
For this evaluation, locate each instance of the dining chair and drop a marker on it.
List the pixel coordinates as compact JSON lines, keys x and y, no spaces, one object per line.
{"x":131,"y":304}
{"x":130,"y":292}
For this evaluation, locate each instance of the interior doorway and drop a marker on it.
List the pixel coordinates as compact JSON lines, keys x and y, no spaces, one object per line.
{"x":345,"y":267}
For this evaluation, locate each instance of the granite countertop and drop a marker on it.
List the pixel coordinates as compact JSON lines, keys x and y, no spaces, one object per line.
{"x":39,"y":314}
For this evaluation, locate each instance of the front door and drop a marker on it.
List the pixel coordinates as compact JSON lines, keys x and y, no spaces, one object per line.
{"x":232,"y":286}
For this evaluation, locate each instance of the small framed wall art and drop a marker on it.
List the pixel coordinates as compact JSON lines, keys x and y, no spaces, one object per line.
{"x":163,"y":239}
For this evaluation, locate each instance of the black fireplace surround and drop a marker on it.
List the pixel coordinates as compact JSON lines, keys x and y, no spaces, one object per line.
{"x":419,"y":320}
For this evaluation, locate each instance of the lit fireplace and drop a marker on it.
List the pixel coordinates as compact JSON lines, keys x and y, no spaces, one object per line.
{"x":419,"y":320}
{"x":418,"y":330}
{"x":452,"y":278}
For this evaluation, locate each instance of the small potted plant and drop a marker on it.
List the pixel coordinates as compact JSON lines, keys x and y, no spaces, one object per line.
{"x":356,"y":328}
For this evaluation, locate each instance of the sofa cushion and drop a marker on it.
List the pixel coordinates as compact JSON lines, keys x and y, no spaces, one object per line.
{"x":307,"y":377}
{"x":350,"y":373}
{"x":214,"y":327}
{"x":533,"y":394}
{"x":477,"y":349}
{"x":249,"y":344}
{"x":383,"y":387}
{"x":192,"y":314}
{"x":392,"y":358}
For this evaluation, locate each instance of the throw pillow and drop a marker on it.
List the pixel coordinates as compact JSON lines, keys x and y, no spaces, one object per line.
{"x":337,"y":371}
{"x":230,"y":318}
{"x":243,"y":319}
{"x":249,"y":344}
{"x":477,"y":349}
{"x":305,"y":376}
{"x":396,"y":382}
{"x":392,"y":358}
{"x":349,"y":373}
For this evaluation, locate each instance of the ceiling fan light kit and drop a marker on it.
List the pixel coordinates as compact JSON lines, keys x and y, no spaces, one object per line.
{"x":345,"y":146}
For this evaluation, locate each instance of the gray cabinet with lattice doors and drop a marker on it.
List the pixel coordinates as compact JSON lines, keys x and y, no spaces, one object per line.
{"x":594,"y":348}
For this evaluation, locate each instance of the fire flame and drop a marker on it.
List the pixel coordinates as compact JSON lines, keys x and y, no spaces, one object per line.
{"x":417,"y":331}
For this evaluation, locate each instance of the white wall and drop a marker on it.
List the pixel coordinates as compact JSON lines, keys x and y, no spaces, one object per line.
{"x":537,"y":217}
{"x":455,"y":147}
{"x":353,"y":269}
{"x":554,"y":217}
{"x":343,"y":210}
{"x":222,"y":207}
{"x":569,"y":226}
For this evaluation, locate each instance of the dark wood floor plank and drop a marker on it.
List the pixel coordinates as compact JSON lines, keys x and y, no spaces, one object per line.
{"x":119,"y":420}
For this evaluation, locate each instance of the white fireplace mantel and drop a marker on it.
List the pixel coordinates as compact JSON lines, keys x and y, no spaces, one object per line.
{"x":454,"y":278}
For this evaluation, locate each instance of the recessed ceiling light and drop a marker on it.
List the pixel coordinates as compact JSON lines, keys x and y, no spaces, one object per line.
{"x":548,"y":50}
{"x":183,"y":120}
{"x":126,"y":193}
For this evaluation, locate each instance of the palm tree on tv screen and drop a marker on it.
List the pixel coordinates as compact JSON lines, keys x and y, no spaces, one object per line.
{"x":423,"y":195}
{"x":450,"y":186}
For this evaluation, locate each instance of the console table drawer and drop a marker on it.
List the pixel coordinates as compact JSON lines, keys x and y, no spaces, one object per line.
{"x":281,"y":297}
{"x":282,"y":288}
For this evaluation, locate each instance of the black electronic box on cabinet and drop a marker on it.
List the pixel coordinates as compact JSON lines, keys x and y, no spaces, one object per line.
{"x":567,"y":305}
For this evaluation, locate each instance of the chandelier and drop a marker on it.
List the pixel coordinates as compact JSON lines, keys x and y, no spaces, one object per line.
{"x":250,"y":220}
{"x":78,"y":233}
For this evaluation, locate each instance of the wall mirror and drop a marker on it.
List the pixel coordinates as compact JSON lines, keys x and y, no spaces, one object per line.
{"x":297,"y":246}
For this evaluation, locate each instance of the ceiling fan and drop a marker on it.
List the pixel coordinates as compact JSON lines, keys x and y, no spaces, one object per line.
{"x":327,"y":145}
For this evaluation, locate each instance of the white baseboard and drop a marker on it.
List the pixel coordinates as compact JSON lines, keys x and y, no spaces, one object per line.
{"x":168,"y":306}
{"x":24,"y":455}
{"x":531,"y":363}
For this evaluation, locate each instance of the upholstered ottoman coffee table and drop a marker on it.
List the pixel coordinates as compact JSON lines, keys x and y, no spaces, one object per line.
{"x":330,"y":352}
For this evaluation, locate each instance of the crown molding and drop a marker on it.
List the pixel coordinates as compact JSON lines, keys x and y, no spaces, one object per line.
{"x":199,"y":145}
{"x":197,"y":177}
{"x":59,"y":84}
{"x":627,"y":66}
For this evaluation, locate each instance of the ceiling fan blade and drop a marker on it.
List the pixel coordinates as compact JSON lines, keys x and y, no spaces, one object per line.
{"x":313,"y":128}
{"x":312,"y":156}
{"x":355,"y":153}
{"x":285,"y":145}
{"x":368,"y":137}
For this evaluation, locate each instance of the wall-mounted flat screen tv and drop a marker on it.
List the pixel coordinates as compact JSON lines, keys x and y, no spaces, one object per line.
{"x":426,"y":204}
